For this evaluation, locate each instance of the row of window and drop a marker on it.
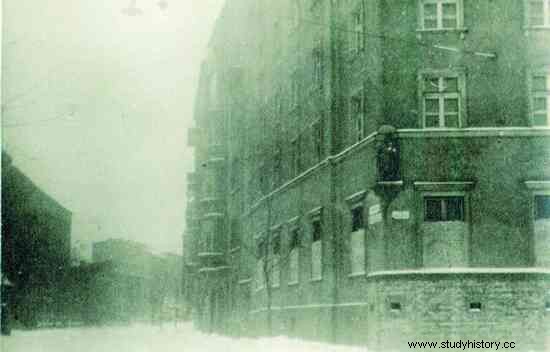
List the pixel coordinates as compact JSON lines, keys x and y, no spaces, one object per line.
{"x":443,"y":101}
{"x":448,"y":15}
{"x":436,"y":209}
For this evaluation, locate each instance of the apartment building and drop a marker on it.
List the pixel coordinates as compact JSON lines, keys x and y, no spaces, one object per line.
{"x":374,"y":172}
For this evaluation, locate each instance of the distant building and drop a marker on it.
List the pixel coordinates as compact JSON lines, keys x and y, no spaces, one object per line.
{"x":36,"y":236}
{"x":388,"y":159}
{"x":135,"y":284}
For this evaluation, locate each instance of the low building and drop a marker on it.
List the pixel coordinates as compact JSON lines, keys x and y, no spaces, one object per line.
{"x":36,"y":236}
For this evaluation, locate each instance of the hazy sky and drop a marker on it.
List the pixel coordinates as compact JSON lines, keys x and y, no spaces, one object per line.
{"x":96,"y":104}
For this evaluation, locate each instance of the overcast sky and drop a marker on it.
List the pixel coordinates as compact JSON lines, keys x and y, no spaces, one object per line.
{"x":96,"y":103}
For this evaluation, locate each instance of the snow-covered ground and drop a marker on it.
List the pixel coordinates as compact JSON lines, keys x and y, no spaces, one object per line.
{"x":144,"y":338}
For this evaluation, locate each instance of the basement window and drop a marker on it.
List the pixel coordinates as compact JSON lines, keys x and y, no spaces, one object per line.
{"x":395,"y":306}
{"x":475,"y":307}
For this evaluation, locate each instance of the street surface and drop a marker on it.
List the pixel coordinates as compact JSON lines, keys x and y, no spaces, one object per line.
{"x":145,"y":338}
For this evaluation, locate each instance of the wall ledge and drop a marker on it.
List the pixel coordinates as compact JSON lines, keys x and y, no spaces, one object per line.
{"x":531,"y":270}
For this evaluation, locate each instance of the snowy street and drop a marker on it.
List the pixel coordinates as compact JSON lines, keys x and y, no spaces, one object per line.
{"x":145,"y":338}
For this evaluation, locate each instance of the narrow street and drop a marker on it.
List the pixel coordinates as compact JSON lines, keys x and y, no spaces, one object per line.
{"x":145,"y":338}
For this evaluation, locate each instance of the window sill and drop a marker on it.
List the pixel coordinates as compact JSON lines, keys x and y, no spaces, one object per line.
{"x":316,"y":279}
{"x":357,"y":274}
{"x":245,"y":281}
{"x":293,"y":283}
{"x":537,"y":28}
{"x":442,"y":30}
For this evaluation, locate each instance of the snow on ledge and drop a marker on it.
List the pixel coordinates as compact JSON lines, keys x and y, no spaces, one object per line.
{"x":428,"y":271}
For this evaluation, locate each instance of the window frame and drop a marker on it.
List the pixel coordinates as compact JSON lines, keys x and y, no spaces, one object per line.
{"x":362,"y":231}
{"x":545,"y":15}
{"x":448,"y":194}
{"x":358,"y":116}
{"x":358,"y":28}
{"x":545,"y":194}
{"x":275,"y":247}
{"x":441,"y":95}
{"x":316,"y":216}
{"x":294,"y":232}
{"x":318,"y":139}
{"x":318,"y":69}
{"x":439,"y":15}
{"x":538,"y":94}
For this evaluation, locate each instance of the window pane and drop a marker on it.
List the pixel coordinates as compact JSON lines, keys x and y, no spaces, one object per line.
{"x":540,"y":119}
{"x":276,"y":245}
{"x":542,"y":207}
{"x":356,"y":219}
{"x":430,"y":23}
{"x":449,"y":10}
{"x":451,"y":105}
{"x":539,"y":83}
{"x":455,"y":209}
{"x":451,"y":84}
{"x":431,"y":85}
{"x":316,"y":231}
{"x":540,"y":104}
{"x":451,"y":120}
{"x":430,"y":11}
{"x":433,"y":209}
{"x":432,"y":120}
{"x":295,"y":239}
{"x":449,"y":23}
{"x":432,"y":105}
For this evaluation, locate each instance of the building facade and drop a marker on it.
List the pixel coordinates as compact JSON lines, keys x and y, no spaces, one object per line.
{"x":374,"y":172}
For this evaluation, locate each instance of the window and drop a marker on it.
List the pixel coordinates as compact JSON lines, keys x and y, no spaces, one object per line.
{"x":274,"y":265}
{"x":358,"y":32}
{"x":316,"y":224}
{"x":295,"y":15}
{"x":235,"y":237}
{"x":542,"y":207}
{"x":316,"y":246}
{"x":538,"y":13}
{"x":318,"y":140}
{"x":442,"y":96}
{"x":440,"y":14}
{"x":263,"y":176}
{"x":443,"y":208}
{"x":296,"y":161}
{"x":277,"y":165}
{"x":540,"y":92}
{"x":318,"y":65}
{"x":357,"y":219}
{"x":294,"y":90}
{"x":475,"y":307}
{"x":395,"y":306}
{"x":261,"y":251}
{"x":357,"y":241}
{"x":294,"y":256}
{"x":358,"y":116}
